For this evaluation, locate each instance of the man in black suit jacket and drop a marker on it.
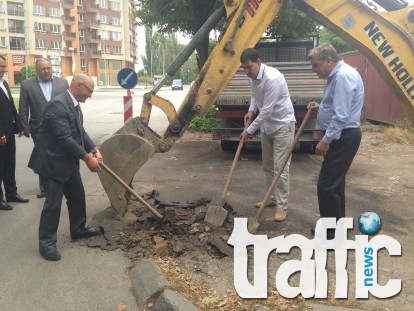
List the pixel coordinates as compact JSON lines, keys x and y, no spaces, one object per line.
{"x":10,"y":124}
{"x":61,"y":143}
{"x":35,"y":92}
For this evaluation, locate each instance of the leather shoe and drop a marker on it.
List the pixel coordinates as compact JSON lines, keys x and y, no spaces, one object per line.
{"x":51,"y":255}
{"x":84,"y":233}
{"x":17,"y":198}
{"x":41,"y":195}
{"x":4,"y":206}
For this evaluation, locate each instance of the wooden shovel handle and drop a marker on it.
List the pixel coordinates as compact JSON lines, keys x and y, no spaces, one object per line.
{"x":129,"y":189}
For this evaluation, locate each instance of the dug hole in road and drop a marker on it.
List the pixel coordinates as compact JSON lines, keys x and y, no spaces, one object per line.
{"x":194,"y":256}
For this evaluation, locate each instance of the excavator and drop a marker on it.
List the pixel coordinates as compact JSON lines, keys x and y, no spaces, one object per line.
{"x":383,"y":30}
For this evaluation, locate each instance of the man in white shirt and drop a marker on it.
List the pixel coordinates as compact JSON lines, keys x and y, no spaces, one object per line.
{"x":276,"y":121}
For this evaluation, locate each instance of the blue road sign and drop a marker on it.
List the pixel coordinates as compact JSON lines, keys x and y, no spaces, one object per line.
{"x":127,"y":78}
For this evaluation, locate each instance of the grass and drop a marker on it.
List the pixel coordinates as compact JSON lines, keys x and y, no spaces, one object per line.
{"x":401,"y":133}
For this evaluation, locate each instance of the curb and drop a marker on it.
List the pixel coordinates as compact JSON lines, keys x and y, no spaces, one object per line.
{"x":150,"y":286}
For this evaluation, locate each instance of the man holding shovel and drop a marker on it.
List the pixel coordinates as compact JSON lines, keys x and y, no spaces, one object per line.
{"x":276,"y":121}
{"x":61,"y":143}
{"x":339,"y":116}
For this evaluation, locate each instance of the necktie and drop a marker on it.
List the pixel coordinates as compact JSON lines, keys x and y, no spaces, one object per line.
{"x":79,"y":116}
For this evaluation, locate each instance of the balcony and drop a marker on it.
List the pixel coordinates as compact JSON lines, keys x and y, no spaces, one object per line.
{"x":68,"y":20}
{"x":69,"y":36}
{"x":15,"y":12}
{"x":93,"y":7}
{"x":16,"y":30}
{"x":68,"y":4}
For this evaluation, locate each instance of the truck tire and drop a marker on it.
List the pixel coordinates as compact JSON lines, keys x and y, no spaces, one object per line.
{"x":228,"y":145}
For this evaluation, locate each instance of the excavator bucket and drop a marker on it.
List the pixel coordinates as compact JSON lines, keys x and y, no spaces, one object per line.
{"x":124,"y":154}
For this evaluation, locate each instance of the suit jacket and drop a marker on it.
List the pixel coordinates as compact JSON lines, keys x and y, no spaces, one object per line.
{"x":10,"y":122}
{"x":61,"y":141}
{"x":33,"y":102}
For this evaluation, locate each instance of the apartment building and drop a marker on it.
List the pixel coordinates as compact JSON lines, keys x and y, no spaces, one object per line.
{"x":97,"y":37}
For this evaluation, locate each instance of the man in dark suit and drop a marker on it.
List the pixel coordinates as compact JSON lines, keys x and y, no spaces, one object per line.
{"x":10,"y":124}
{"x":35,"y":92}
{"x":61,"y":143}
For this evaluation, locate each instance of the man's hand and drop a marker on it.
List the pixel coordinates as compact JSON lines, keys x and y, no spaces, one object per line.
{"x":248,"y":118}
{"x":92,"y":163}
{"x":3,"y":140}
{"x":244,"y":136}
{"x":313,"y":106}
{"x":322,"y":148}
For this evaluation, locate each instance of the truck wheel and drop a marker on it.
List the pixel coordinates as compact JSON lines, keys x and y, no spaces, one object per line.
{"x":228,"y":145}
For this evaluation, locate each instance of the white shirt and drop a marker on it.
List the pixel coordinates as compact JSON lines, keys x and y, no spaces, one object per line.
{"x":4,"y":88}
{"x":270,"y":94}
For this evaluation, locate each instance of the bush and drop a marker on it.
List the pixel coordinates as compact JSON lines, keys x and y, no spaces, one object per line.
{"x":203,"y":124}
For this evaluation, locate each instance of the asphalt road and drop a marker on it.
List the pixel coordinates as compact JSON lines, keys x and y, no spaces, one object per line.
{"x":85,"y":278}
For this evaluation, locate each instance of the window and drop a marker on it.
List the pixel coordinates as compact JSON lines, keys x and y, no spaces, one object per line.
{"x":80,"y":3}
{"x":39,"y":10}
{"x":116,"y":65}
{"x":81,"y":33}
{"x":104,"y":19}
{"x":39,"y":27}
{"x":1,"y":7}
{"x":40,"y":44}
{"x":116,"y":21}
{"x":115,"y":6}
{"x":80,"y":17}
{"x":117,"y":50}
{"x":56,"y":45}
{"x":83,"y":65}
{"x":3,"y":42}
{"x":116,"y":36}
{"x":2,"y":24}
{"x":82,"y":49}
{"x":55,"y":28}
{"x":104,"y":34}
{"x":106,"y":49}
{"x":54,"y":12}
{"x":103,"y":4}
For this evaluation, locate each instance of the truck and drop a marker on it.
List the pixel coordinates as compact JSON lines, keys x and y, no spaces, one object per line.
{"x":289,"y":57}
{"x":385,"y":37}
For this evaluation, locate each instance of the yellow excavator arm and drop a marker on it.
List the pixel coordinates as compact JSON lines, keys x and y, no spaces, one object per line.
{"x":385,"y":38}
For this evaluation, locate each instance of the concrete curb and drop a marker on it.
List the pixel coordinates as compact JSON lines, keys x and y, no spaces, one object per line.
{"x":150,"y":285}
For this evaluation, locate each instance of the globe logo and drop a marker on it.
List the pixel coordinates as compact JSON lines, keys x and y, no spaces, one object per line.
{"x":369,"y":223}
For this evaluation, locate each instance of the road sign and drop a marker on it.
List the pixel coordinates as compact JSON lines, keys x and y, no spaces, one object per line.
{"x":127,"y":78}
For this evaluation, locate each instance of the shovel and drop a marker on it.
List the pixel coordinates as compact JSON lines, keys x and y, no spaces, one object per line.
{"x":254,"y":223}
{"x":216,"y":215}
{"x":129,"y":189}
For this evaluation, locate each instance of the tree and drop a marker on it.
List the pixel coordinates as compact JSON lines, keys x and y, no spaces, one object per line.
{"x":31,"y":71}
{"x":186,"y":16}
{"x":338,"y":43}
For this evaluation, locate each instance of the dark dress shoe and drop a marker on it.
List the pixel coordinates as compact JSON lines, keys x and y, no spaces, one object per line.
{"x":41,"y":195}
{"x":51,"y":255}
{"x":4,"y":206}
{"x":17,"y":198}
{"x":84,"y":233}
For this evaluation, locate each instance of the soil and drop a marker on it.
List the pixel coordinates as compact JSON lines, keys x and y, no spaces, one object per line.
{"x":182,"y":183}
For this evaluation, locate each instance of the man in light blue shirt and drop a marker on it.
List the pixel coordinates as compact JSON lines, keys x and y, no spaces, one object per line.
{"x":339,"y":116}
{"x":276,"y":121}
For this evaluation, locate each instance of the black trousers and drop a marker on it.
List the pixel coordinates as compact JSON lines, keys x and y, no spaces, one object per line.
{"x":8,"y":167}
{"x":74,"y":193}
{"x":331,"y":182}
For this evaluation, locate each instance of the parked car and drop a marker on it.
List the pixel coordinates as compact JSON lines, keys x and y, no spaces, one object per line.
{"x":177,"y":85}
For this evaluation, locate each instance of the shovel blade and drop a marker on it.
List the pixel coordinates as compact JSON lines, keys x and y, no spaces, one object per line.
{"x":215,"y":216}
{"x":252,"y":225}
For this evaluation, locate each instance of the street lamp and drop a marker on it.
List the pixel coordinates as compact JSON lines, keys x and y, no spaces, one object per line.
{"x":104,"y":58}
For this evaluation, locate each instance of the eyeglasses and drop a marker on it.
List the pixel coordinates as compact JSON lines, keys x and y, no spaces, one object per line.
{"x":89,"y":90}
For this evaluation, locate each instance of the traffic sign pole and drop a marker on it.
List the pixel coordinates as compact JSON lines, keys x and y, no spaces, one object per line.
{"x":128,"y":107}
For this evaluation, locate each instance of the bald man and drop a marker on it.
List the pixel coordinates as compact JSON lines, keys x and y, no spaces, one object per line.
{"x":61,"y":143}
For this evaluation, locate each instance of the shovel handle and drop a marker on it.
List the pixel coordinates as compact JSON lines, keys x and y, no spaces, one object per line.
{"x":129,"y":189}
{"x":282,"y":166}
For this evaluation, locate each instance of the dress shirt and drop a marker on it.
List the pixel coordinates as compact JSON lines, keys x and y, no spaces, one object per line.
{"x":4,"y":88}
{"x":270,"y":94}
{"x":46,"y":87}
{"x":343,"y":97}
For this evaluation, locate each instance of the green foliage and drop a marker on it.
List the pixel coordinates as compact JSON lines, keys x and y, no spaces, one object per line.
{"x":338,"y":43}
{"x":203,"y":124}
{"x":31,"y":71}
{"x":292,"y":23}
